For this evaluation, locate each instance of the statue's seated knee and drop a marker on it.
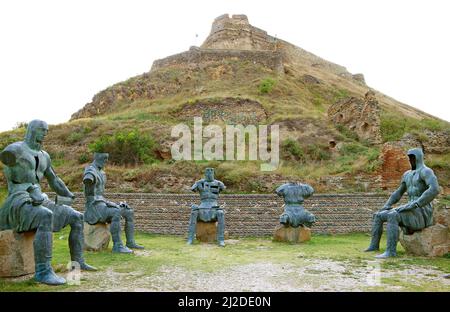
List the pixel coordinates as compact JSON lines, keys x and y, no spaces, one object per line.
{"x":393,"y":215}
{"x":44,"y":214}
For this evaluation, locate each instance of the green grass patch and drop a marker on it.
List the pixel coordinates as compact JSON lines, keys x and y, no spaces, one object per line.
{"x":394,"y":126}
{"x":266,"y":85}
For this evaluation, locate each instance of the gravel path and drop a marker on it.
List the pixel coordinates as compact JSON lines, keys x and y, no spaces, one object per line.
{"x":305,"y":275}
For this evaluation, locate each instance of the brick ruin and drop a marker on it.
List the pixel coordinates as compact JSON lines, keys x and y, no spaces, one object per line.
{"x":361,"y":116}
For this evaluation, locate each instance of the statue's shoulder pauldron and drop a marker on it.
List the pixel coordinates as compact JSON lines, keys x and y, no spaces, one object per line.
{"x":12,"y":153}
{"x":90,"y":173}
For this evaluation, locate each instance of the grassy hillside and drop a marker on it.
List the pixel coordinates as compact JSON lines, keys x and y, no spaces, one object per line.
{"x":298,"y":106}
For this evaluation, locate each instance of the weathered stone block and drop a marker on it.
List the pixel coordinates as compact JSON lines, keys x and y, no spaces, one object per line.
{"x":290,"y":234}
{"x":96,"y":237}
{"x":16,"y":253}
{"x":433,"y":241}
{"x":206,"y":231}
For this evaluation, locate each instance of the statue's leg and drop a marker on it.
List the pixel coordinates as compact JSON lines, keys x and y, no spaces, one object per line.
{"x":43,"y":244}
{"x":128,"y":215}
{"x":220,"y":227}
{"x":192,"y":226}
{"x":76,"y":239}
{"x":377,"y":229}
{"x":392,"y":229}
{"x":114,"y":216}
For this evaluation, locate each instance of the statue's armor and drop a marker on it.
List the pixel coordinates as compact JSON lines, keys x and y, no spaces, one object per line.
{"x":422,"y":216}
{"x":209,"y":193}
{"x":27,"y":171}
{"x":29,"y":167}
{"x":95,"y":203}
{"x":294,"y":213}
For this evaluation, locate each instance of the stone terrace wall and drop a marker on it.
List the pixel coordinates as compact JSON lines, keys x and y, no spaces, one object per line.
{"x":196,"y":55}
{"x":249,"y":215}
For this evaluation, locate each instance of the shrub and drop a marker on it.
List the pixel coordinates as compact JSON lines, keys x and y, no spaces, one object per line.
{"x":347,"y":132}
{"x":126,"y":147}
{"x":353,"y":148}
{"x":266,"y":85}
{"x":293,"y":149}
{"x":318,"y":152}
{"x":74,"y":137}
{"x":83,"y":158}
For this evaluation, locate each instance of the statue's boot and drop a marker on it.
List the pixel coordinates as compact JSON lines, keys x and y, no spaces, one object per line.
{"x":392,"y":230}
{"x":377,"y":231}
{"x":76,"y":243}
{"x":284,"y":219}
{"x":129,"y":233}
{"x":192,"y":227}
{"x":118,"y":246}
{"x":43,"y":242}
{"x":221,"y":228}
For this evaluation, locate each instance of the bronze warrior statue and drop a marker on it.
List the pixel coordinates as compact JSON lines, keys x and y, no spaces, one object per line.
{"x":208,"y":210}
{"x":27,"y":208}
{"x":422,"y":187}
{"x":294,"y":213}
{"x":100,"y":210}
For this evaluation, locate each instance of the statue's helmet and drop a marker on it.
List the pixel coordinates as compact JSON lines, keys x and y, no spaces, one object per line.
{"x":416,"y":158}
{"x":36,"y":131}
{"x":209,"y":174}
{"x":101,"y":158}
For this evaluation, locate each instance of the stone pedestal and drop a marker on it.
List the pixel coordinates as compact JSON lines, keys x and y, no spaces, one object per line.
{"x":96,"y":237}
{"x":433,"y":241}
{"x":292,"y":235}
{"x":16,"y":253}
{"x":206,"y":231}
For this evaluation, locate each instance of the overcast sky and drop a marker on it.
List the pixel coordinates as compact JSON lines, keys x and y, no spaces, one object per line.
{"x":56,"y":55}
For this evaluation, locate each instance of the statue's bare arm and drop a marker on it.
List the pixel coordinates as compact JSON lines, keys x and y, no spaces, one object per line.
{"x":396,"y":196}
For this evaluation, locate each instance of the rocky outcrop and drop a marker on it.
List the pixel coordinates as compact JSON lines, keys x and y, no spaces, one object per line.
{"x":433,"y":241}
{"x":436,"y":142}
{"x":292,"y":235}
{"x":359,"y":78}
{"x":362,"y":116}
{"x":16,"y":253}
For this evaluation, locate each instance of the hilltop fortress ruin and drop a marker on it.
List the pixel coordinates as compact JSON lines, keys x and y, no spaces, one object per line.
{"x":234,"y":37}
{"x":231,"y":38}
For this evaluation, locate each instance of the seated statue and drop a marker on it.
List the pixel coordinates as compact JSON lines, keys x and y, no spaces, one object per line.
{"x":27,"y":208}
{"x":295,"y":214}
{"x":422,"y":187}
{"x":100,"y":210}
{"x":208,"y":210}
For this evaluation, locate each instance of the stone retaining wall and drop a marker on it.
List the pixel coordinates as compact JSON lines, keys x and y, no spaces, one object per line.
{"x":247,"y":214}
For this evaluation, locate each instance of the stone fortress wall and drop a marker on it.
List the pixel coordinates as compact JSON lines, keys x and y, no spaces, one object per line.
{"x":249,"y":214}
{"x":196,"y":55}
